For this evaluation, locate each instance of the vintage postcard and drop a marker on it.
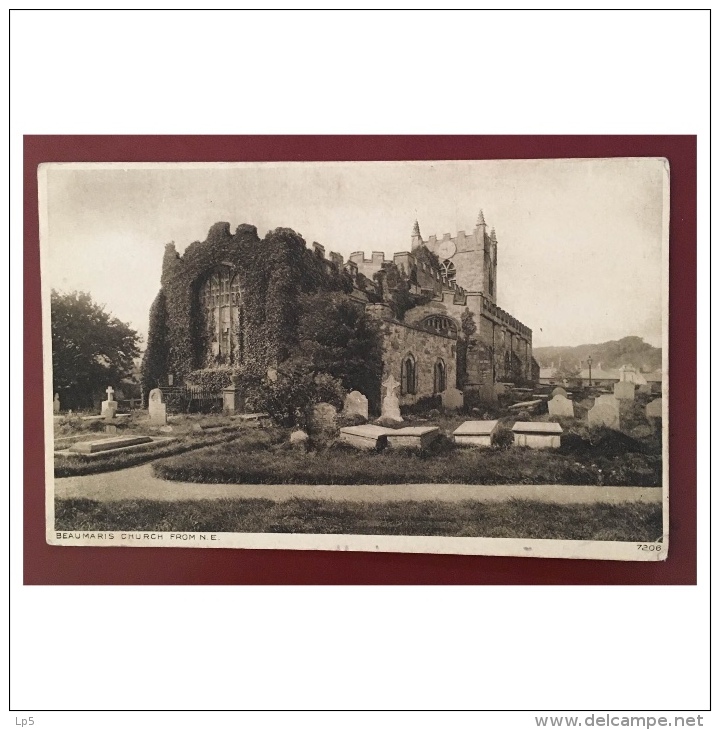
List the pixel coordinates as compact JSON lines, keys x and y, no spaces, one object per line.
{"x":461,"y":357}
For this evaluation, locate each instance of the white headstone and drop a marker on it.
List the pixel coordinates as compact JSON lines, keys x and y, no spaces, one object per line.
{"x":559,"y":391}
{"x":108,"y":408}
{"x":56,"y":403}
{"x":390,"y":402}
{"x":625,"y":390}
{"x":561,"y":406}
{"x":452,"y":399}
{"x":605,"y":412}
{"x":654,"y":409}
{"x":356,"y":404}
{"x":157,"y":410}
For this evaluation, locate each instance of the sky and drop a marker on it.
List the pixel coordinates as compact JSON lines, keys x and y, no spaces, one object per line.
{"x":580,"y":242}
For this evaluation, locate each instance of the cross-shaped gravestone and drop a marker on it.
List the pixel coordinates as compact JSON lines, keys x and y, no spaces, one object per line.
{"x":110,"y":392}
{"x":390,"y":407}
{"x":390,"y":384}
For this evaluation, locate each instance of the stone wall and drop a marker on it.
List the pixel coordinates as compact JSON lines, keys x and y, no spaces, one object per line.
{"x":497,"y":333}
{"x":400,"y":340}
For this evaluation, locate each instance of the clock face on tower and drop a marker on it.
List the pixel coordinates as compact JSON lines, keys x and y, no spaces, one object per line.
{"x":446,"y":250}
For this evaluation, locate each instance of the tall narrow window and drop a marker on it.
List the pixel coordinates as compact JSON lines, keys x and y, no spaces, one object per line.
{"x":440,"y":377}
{"x":407,"y":376}
{"x":220,"y":304}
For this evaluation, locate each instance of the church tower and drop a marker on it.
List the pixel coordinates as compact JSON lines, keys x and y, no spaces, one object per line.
{"x":468,"y":257}
{"x":468,"y":260}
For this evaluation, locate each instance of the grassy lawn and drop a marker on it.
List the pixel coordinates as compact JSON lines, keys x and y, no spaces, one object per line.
{"x":241,"y":436}
{"x":444,"y":463}
{"x":515,"y":519}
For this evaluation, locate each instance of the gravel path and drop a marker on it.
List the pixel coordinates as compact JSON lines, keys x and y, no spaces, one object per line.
{"x":139,"y":483}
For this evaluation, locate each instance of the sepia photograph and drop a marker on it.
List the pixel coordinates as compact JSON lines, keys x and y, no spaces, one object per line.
{"x":451,"y":356}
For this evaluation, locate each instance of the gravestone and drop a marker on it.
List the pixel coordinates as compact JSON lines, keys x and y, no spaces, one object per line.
{"x":536,"y":435}
{"x":390,"y":403}
{"x":157,"y":410}
{"x":356,"y":404}
{"x":322,"y":425}
{"x":487,"y":395}
{"x":108,"y":408}
{"x":476,"y":433}
{"x":501,"y":389}
{"x":452,"y":399}
{"x":624,"y":390}
{"x":111,"y":428}
{"x":412,"y":437}
{"x":645,"y":388}
{"x":558,"y":391}
{"x":233,"y":399}
{"x":366,"y":437}
{"x":605,"y":412}
{"x":561,"y":406}
{"x":654,"y":412}
{"x":56,"y":403}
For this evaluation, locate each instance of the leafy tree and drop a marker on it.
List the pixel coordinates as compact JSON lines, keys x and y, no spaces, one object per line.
{"x":338,"y":338}
{"x":91,"y":348}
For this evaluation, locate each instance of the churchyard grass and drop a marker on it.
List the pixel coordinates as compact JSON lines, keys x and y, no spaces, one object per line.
{"x":516,"y":518}
{"x":241,"y":436}
{"x":591,"y":457}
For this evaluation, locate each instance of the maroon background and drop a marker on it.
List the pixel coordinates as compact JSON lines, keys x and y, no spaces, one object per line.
{"x":44,"y":564}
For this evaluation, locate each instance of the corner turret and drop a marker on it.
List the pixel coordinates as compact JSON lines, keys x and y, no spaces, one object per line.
{"x":416,"y":237}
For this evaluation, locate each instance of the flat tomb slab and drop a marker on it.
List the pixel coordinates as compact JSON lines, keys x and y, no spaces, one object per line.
{"x":412,"y":437}
{"x":537,"y":435}
{"x":536,"y":427}
{"x":155,"y":441}
{"x":249,"y":416}
{"x":475,"y":433}
{"x":92,"y":447}
{"x":365,"y":436}
{"x":525,"y":404}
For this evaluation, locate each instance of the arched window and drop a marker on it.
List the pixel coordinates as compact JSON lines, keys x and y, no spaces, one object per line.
{"x":220,"y":301}
{"x":447,"y":269}
{"x":407,"y":376}
{"x":440,"y":324}
{"x":439,"y":377}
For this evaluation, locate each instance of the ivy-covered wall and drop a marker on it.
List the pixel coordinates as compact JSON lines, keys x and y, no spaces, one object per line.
{"x":273,"y":272}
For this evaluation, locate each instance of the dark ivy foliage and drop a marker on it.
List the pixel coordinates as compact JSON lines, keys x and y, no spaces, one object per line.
{"x":154,"y":363}
{"x":275,"y":273}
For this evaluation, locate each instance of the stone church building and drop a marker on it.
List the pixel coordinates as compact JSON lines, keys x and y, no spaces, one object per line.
{"x":435,"y":305}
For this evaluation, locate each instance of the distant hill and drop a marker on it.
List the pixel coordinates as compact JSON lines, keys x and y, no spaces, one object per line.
{"x":614,"y":354}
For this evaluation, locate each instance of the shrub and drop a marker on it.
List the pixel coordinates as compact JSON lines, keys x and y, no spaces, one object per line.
{"x":289,"y":398}
{"x":423,"y":406}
